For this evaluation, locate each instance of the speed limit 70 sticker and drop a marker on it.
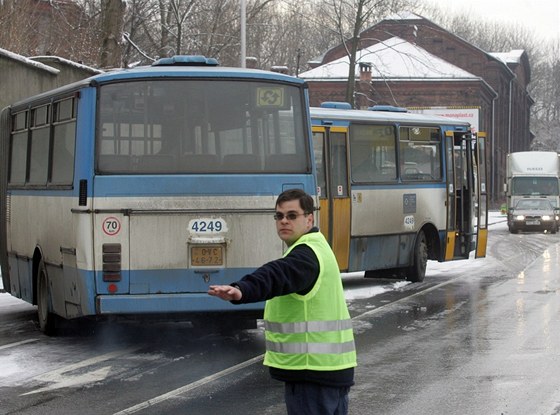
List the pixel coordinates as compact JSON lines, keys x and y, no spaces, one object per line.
{"x":111,"y":226}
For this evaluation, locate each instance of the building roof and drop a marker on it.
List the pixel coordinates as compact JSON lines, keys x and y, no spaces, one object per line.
{"x":394,"y":59}
{"x":513,"y":56}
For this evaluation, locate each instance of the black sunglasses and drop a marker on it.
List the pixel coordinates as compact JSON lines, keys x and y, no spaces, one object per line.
{"x":289,"y":216}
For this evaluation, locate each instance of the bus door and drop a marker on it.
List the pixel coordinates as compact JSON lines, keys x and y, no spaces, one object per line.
{"x":482,"y":189}
{"x":331,"y":159}
{"x":461,"y":194}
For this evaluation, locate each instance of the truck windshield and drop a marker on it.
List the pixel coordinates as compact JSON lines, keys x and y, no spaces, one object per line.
{"x":535,"y":186}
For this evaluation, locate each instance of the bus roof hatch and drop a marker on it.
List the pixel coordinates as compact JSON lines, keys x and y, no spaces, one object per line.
{"x":186,"y":60}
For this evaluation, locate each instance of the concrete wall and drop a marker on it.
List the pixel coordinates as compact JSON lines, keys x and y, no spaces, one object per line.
{"x":19,"y":81}
{"x":23,"y":77}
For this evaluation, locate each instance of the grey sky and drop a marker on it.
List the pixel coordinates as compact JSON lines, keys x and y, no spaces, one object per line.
{"x":540,"y":16}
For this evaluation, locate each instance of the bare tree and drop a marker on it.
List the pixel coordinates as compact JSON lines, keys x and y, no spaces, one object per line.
{"x":112,"y":20}
{"x":12,"y":19}
{"x":64,"y":29}
{"x":545,"y":120}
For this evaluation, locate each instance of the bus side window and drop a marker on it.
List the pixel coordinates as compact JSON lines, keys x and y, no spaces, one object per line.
{"x":39,"y":161}
{"x":63,"y":153}
{"x":372,"y":153}
{"x":363,"y":170}
{"x":18,"y":158}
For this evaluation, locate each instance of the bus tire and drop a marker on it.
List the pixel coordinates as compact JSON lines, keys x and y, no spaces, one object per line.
{"x":417,"y":271}
{"x":47,"y":320}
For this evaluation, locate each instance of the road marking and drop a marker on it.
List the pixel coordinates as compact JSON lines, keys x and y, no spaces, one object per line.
{"x":189,"y":387}
{"x":218,"y":375}
{"x":7,"y":346}
{"x":61,"y":378}
{"x":408,"y":297}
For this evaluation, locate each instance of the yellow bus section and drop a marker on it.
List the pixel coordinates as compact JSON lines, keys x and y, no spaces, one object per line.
{"x":340,"y":243}
{"x":482,"y":231}
{"x":482,"y":240}
{"x":341,"y":234}
{"x":337,"y":206}
{"x":450,"y":246}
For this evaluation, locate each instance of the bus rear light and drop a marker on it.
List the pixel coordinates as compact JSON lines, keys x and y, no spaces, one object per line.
{"x":111,"y":262}
{"x":111,"y":277}
{"x":112,"y":288}
{"x":112,"y":267}
{"x":111,"y":258}
{"x":111,"y":248}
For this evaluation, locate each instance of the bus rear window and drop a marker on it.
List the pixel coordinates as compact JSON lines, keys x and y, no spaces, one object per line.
{"x":200,"y":126}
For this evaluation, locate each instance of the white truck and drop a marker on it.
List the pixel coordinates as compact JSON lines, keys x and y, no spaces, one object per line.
{"x":532,"y":174}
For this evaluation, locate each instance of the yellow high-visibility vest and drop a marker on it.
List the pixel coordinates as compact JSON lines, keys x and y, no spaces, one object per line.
{"x":311,"y":331}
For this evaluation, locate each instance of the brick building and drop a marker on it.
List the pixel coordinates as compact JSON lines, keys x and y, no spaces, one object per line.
{"x":409,"y":61}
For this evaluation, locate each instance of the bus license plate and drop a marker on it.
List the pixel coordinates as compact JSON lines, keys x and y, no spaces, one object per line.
{"x":207,"y":256}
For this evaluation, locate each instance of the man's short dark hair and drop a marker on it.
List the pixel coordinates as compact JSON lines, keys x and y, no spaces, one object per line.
{"x":305,"y":201}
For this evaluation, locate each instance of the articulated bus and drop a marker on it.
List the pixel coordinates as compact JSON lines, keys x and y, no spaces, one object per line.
{"x":397,"y":189}
{"x":131,"y":191}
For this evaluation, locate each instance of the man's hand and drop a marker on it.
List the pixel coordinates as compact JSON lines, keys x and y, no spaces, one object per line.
{"x":225,"y":292}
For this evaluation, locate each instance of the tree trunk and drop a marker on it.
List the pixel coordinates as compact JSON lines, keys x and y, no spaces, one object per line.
{"x":111,"y":33}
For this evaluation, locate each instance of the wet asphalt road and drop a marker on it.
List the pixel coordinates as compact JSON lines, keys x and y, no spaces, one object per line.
{"x":476,"y":337}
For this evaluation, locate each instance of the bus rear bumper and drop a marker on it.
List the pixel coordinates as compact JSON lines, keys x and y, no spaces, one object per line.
{"x":168,"y":303}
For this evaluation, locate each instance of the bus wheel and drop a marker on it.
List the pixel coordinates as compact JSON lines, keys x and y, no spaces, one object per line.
{"x":417,"y":271}
{"x":47,"y":323}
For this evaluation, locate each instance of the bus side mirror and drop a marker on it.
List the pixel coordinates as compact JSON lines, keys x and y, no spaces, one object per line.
{"x":505,"y":187}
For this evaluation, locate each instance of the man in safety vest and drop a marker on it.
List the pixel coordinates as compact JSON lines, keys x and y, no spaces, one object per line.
{"x":308,"y":330}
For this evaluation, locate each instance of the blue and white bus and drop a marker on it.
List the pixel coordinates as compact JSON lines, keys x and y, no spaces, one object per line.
{"x":132,"y":191}
{"x":397,"y":189}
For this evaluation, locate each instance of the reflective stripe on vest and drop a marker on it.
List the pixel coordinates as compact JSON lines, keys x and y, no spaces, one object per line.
{"x":316,"y":348}
{"x":308,"y":326}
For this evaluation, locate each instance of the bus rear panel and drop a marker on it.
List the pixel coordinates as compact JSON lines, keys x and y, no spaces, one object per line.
{"x":133,"y":191}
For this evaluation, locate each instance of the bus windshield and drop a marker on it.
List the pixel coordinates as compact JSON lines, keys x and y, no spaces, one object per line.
{"x":200,"y":126}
